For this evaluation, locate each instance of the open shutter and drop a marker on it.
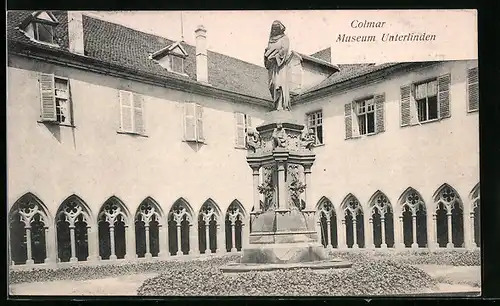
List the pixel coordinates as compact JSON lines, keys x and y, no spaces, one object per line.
{"x":47,"y":97}
{"x":379,"y":112}
{"x":348,"y":120}
{"x":473,"y":89}
{"x":138,"y":113}
{"x":405,"y":105}
{"x":189,"y":122}
{"x":249,"y":121}
{"x":239,"y":119}
{"x":199,"y":123}
{"x":126,"y":111}
{"x":444,"y":95}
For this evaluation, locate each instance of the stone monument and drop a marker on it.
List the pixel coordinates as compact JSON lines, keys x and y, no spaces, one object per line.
{"x":283,"y":232}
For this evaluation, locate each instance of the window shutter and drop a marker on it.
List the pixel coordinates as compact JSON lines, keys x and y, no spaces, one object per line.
{"x":126,"y":110}
{"x":405,"y":105}
{"x":355,"y":119}
{"x":47,"y":97}
{"x":199,"y":123}
{"x":189,"y":122}
{"x":473,"y":88}
{"x":348,"y":120}
{"x":240,"y":130}
{"x":444,"y":95}
{"x":249,"y":121}
{"x":379,"y":101}
{"x":138,"y":113}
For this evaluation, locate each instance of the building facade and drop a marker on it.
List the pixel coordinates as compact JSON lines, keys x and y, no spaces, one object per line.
{"x":122,"y":145}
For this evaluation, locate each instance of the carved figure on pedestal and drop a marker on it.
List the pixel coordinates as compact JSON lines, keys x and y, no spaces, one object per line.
{"x":295,"y":187}
{"x":275,"y":60}
{"x":308,"y":139}
{"x":279,"y":136}
{"x":253,"y":140}
{"x":267,"y":189}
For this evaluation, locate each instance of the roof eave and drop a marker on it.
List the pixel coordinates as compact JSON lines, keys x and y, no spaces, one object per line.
{"x":59,"y":56}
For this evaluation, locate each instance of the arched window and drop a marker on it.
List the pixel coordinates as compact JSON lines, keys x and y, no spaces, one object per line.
{"x":208,"y":223}
{"x":113,"y":225}
{"x":381,"y":218}
{"x":476,"y":215}
{"x":72,"y":223}
{"x":353,"y":216}
{"x":180,"y":219}
{"x":147,"y":229}
{"x":449,"y":217}
{"x":413,"y":219}
{"x":328,"y":223}
{"x":28,"y":230}
{"x":235,"y":220}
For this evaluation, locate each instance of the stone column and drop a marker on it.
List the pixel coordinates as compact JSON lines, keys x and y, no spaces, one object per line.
{"x":449,"y":245}
{"x":163,"y":243}
{"x":130,"y":247}
{"x":342,"y":233}
{"x":207,"y":238}
{"x":369,"y":244}
{"x":112,"y":241}
{"x":308,"y":189}
{"x":433,"y":232}
{"x":233,"y":238}
{"x":472,"y":235}
{"x":382,"y":229}
{"x":414,"y":230}
{"x":50,"y":245}
{"x":179,"y":239}
{"x":402,"y":232}
{"x":328,"y":233}
{"x":148,"y":251}
{"x":221,"y":237}
{"x":281,"y":186}
{"x":73,"y":244}
{"x":193,"y":238}
{"x":256,"y":194}
{"x":354,"y":232}
{"x":29,"y":255}
{"x":93,"y":244}
{"x":245,"y":233}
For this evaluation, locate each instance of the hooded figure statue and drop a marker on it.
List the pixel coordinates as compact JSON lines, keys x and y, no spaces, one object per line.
{"x":275,"y":60}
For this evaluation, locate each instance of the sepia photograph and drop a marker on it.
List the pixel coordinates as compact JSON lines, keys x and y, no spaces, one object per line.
{"x":243,"y":153}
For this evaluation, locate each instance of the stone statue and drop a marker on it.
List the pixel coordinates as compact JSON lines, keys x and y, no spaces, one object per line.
{"x":275,"y":61}
{"x":308,"y":139}
{"x":253,"y":139}
{"x":279,"y":136}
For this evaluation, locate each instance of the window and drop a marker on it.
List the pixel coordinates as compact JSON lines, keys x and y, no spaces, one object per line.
{"x":177,"y":63}
{"x":242,"y":122}
{"x":427,"y":101}
{"x":132,"y":112}
{"x":193,"y":123}
{"x":44,"y":32}
{"x":366,"y":116}
{"x":55,"y":99}
{"x":473,"y":89}
{"x":315,"y":122}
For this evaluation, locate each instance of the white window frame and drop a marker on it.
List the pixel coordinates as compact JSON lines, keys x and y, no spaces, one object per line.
{"x":246,"y":126}
{"x":171,"y":58}
{"x":312,"y":123}
{"x":132,"y":107}
{"x":66,"y":98}
{"x":362,"y":115}
{"x":36,"y":34}
{"x":416,"y":101}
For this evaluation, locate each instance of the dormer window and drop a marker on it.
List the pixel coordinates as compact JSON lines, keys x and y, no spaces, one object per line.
{"x":39,"y":26}
{"x":171,"y":58}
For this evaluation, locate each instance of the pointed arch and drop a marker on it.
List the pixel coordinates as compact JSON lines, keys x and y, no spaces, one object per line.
{"x":326,"y":219}
{"x":115,"y":207}
{"x":475,"y":211}
{"x":382,"y":220}
{"x":237,"y":204}
{"x":182,"y":205}
{"x":149,"y":225}
{"x":447,"y":195}
{"x":351,"y":204}
{"x":381,"y":201}
{"x":40,"y":207}
{"x":412,"y":199}
{"x":325,"y":207}
{"x":475,"y":193}
{"x":79,"y":204}
{"x":153,"y":208}
{"x":211,"y":203}
{"x":234,"y":221}
{"x":181,"y":217}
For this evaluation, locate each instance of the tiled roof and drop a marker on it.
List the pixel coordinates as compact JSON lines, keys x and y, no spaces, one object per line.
{"x":117,"y":44}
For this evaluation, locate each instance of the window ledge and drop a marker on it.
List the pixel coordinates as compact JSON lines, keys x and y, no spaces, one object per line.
{"x":427,"y":121}
{"x":240,"y":148}
{"x":470,"y":111}
{"x":195,"y":141}
{"x":319,"y":145}
{"x":132,"y":133}
{"x":57,"y":123}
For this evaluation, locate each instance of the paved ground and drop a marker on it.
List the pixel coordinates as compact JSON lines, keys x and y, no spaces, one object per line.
{"x":452,"y":279}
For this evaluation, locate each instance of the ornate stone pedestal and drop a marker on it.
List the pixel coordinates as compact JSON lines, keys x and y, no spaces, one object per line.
{"x":283,"y":232}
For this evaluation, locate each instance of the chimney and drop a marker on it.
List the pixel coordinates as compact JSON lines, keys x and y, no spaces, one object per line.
{"x":201,"y":54}
{"x":75,"y":32}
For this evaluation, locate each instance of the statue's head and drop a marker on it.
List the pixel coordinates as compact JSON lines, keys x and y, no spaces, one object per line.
{"x":277,"y":28}
{"x":311,"y":131}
